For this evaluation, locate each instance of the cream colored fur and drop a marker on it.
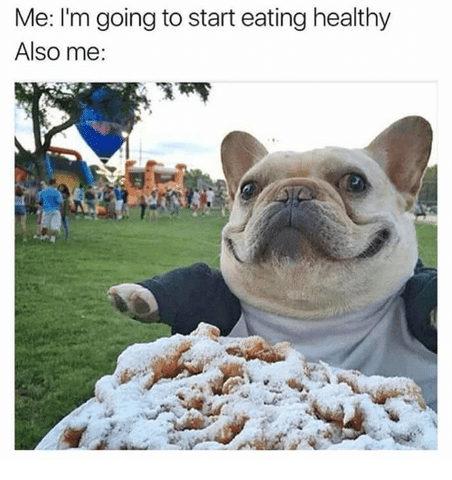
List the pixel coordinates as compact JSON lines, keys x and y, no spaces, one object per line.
{"x":314,"y":284}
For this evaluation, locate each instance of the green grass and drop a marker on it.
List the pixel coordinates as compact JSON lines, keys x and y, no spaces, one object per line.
{"x":67,"y":335}
{"x":427,"y":236}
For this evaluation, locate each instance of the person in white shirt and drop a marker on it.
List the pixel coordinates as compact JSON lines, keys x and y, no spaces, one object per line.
{"x":153,"y":204}
{"x":195,"y":202}
{"x":210,"y":198}
{"x":79,"y":197}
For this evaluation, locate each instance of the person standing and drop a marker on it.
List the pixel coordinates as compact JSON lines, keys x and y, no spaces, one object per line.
{"x":153,"y":204}
{"x":65,"y":209}
{"x":51,"y":200}
{"x":162,"y":202}
{"x":203,"y":201}
{"x":125,"y":205}
{"x":42,"y":185}
{"x":210,"y":198}
{"x":90,"y":201}
{"x":195,"y":202}
{"x":142,"y":202}
{"x":168,"y":201}
{"x":189,"y":198}
{"x":111,"y":202}
{"x":106,"y":200}
{"x":118,"y":202}
{"x":175,"y":202}
{"x":78,"y":199}
{"x":20,"y":209}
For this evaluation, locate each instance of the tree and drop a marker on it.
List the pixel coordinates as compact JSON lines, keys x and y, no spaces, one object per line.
{"x":429,"y":190}
{"x":197,"y":179}
{"x":39,"y":99}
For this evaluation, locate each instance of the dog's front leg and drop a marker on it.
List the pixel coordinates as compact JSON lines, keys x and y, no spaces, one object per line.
{"x":136,"y":301}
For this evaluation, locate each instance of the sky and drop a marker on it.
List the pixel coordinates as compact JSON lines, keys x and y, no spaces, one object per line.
{"x":282,"y":116}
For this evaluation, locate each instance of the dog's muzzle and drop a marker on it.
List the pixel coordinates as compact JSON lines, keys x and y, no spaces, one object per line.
{"x":300,"y":219}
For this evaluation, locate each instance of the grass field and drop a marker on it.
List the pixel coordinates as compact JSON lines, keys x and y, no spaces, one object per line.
{"x":66,"y":334}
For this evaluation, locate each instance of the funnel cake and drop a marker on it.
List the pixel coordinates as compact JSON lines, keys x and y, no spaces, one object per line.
{"x":204,"y":391}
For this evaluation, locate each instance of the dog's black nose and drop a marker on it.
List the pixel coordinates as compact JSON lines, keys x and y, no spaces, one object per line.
{"x":298,"y":193}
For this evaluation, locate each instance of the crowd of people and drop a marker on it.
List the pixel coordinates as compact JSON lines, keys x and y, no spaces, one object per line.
{"x":50,"y":212}
{"x":202,"y":201}
{"x":169,"y":202}
{"x":199,"y":201}
{"x":55,"y":204}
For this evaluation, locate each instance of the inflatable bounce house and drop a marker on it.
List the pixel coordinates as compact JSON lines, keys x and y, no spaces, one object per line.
{"x":154,"y":175}
{"x":64,"y":171}
{"x":67,"y":172}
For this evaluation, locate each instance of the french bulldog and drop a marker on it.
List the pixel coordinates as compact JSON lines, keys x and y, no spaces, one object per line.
{"x":318,"y":250}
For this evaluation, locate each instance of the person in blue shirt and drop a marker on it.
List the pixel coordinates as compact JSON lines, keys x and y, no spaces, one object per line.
{"x":51,"y":200}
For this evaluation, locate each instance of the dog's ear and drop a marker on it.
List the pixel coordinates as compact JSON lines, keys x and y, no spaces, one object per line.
{"x":239,"y":152}
{"x":403,"y":150}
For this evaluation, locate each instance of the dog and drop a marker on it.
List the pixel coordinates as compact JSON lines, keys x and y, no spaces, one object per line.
{"x":320,"y":250}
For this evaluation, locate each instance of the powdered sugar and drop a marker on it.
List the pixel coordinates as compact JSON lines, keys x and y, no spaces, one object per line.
{"x":204,"y":391}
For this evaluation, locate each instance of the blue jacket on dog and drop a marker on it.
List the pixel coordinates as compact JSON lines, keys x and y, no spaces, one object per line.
{"x":190,"y":295}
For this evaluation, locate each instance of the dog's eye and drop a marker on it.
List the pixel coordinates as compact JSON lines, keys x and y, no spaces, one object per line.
{"x":353,"y":183}
{"x":248,"y":190}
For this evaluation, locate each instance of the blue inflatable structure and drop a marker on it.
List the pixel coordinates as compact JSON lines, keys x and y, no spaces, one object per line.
{"x":70,"y":173}
{"x":81,"y":169}
{"x":103,"y":122}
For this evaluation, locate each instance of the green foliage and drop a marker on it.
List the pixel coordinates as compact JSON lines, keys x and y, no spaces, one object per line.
{"x":201,"y":89}
{"x":39,"y":100}
{"x":192,"y":177}
{"x":429,"y":189}
{"x":431,"y":174}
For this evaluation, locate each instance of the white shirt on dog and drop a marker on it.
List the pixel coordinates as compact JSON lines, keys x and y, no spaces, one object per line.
{"x":375,"y":341}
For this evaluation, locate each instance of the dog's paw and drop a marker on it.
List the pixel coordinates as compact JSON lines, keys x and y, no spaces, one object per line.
{"x":134,"y":300}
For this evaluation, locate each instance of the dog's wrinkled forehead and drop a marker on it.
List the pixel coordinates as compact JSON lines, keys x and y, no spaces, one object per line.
{"x":320,"y":163}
